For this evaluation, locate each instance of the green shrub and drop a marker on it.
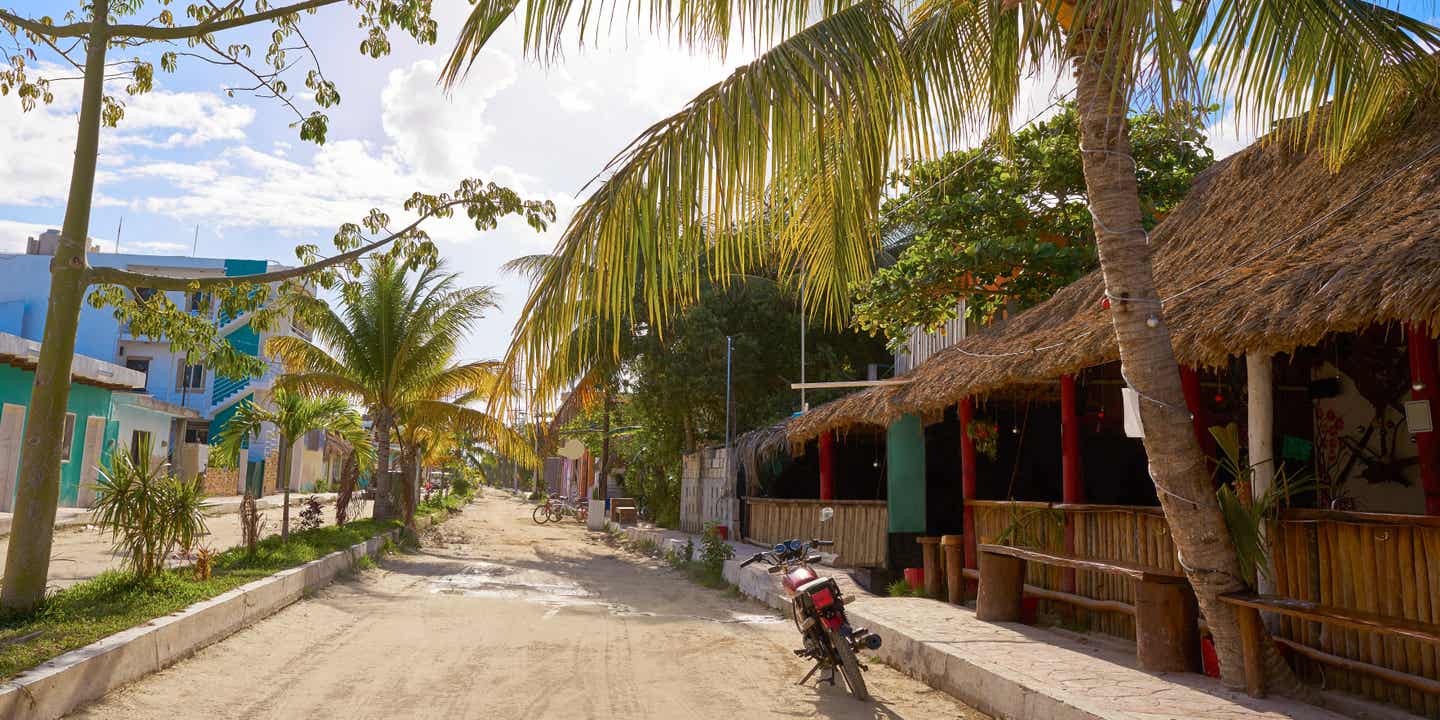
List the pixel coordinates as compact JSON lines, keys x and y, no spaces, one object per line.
{"x":902,"y":588}
{"x":462,"y":485}
{"x":148,"y":512}
{"x":714,"y":551}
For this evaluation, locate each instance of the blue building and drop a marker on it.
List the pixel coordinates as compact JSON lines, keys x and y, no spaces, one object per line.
{"x":183,"y":405}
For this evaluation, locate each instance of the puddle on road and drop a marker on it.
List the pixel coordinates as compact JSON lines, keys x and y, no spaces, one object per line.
{"x":504,"y":582}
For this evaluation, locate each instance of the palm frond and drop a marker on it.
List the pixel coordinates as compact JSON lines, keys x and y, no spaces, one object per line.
{"x":1345,"y":65}
{"x":802,"y":132}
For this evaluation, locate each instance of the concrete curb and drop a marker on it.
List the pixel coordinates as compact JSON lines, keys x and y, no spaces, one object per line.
{"x":63,"y":683}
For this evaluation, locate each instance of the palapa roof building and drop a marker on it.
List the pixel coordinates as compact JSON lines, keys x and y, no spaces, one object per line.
{"x":1272,"y":250}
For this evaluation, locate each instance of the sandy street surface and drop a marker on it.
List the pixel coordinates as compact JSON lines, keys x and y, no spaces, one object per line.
{"x":81,"y":553}
{"x":500,"y":618}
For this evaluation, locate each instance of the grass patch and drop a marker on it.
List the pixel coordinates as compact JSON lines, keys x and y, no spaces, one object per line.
{"x":705,"y":575}
{"x":116,"y":600}
{"x":438,"y":509}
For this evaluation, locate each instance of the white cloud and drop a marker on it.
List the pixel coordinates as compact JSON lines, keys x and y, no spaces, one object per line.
{"x":440,"y":136}
{"x":1229,"y":134}
{"x":196,"y":118}
{"x":14,"y":234}
{"x":38,"y":144}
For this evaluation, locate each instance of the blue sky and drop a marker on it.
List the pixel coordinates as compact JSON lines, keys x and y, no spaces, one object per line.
{"x":188,"y":156}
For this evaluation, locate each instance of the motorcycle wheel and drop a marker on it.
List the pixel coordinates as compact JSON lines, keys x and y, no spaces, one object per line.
{"x":540,"y":515}
{"x":582,"y":515}
{"x":849,"y":665}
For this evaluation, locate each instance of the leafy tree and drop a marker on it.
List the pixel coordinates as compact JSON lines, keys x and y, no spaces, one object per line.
{"x":293,"y":415}
{"x":993,"y":228}
{"x":390,"y":347}
{"x":813,"y":124}
{"x":672,"y":394}
{"x":83,"y":42}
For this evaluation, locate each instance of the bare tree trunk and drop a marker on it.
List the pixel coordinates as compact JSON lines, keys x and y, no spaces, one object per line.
{"x":384,"y":501}
{"x":1147,"y":361}
{"x":27,"y":562}
{"x":284,"y":474}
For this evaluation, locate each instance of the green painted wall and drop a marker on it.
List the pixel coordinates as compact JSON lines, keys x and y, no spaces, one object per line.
{"x":86,"y":401}
{"x":905,"y":453}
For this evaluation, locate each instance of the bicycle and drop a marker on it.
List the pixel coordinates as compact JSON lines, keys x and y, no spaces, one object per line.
{"x":542,"y":512}
{"x":570,"y":507}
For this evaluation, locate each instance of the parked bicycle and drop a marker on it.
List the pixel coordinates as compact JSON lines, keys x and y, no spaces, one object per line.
{"x":556,"y":509}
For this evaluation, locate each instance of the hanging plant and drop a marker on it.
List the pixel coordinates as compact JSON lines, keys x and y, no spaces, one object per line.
{"x":985,"y":436}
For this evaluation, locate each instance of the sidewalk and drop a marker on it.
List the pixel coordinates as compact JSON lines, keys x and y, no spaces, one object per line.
{"x":68,"y":517}
{"x":1010,"y":670}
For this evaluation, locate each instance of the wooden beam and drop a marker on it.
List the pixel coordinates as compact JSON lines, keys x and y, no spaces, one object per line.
{"x":1414,"y":682}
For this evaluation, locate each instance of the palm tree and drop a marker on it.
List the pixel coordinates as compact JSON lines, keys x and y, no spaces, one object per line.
{"x":293,"y":415}
{"x":390,"y":346}
{"x":806,"y":133}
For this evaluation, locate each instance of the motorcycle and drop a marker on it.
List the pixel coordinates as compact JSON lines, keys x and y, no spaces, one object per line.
{"x":818,"y":609}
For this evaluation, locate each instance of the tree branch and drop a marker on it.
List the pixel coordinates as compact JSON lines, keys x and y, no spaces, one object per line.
{"x":116,"y":276}
{"x":210,"y":26}
{"x":39,"y":28}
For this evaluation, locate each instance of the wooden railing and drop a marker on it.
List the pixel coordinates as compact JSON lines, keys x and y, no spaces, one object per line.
{"x":1383,"y":564}
{"x":859,"y":528}
{"x":1127,"y":533}
{"x":1387,"y":565}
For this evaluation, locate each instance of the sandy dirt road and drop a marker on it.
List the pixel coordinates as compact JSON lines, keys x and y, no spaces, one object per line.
{"x":500,"y":618}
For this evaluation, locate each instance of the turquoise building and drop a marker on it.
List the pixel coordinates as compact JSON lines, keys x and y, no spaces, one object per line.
{"x":90,"y":421}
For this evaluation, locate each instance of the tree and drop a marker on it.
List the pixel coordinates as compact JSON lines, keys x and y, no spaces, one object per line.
{"x":805,"y":134}
{"x":390,"y":347}
{"x":996,"y":228}
{"x":293,"y":415}
{"x":83,"y":42}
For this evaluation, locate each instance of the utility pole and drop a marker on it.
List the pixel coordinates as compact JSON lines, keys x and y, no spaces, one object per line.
{"x":729,"y":352}
{"x":804,"y":406}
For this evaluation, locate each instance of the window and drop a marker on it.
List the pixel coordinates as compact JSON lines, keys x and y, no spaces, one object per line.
{"x":143,"y":294}
{"x":197,"y":434}
{"x":312,"y":439}
{"x":141,"y":364}
{"x":139,"y":442}
{"x":190,"y":377}
{"x":67,"y":441}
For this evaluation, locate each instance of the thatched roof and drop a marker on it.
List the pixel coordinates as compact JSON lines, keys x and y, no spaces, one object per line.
{"x":757,"y":447}
{"x":1269,"y":251}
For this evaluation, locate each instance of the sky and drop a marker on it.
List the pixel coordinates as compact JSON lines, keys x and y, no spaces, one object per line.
{"x":193,"y":169}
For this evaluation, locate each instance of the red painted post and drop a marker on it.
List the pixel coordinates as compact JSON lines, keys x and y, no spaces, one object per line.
{"x":827,"y":465}
{"x":1425,"y":385}
{"x":966,"y":412}
{"x":1195,"y":402}
{"x":1072,"y":479}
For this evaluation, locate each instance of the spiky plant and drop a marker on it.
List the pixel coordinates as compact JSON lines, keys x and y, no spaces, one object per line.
{"x":147,"y":511}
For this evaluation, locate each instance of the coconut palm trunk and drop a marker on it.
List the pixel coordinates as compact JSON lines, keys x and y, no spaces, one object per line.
{"x":37,"y":492}
{"x":384,"y":499}
{"x":284,"y":458}
{"x":1147,"y":362}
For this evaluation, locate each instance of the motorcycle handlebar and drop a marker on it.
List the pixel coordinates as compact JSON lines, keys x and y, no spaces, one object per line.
{"x":822,"y":543}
